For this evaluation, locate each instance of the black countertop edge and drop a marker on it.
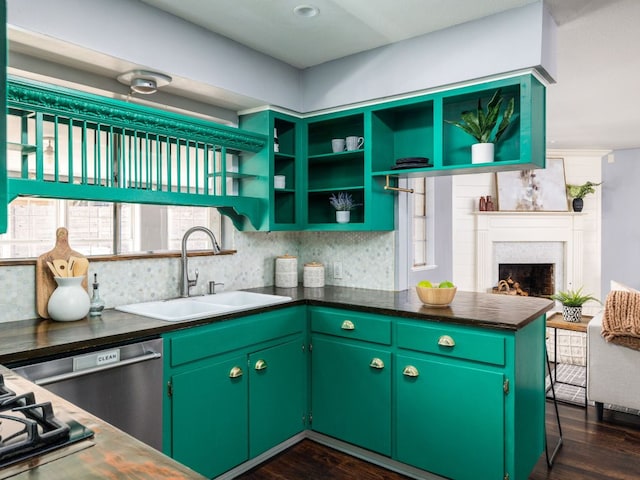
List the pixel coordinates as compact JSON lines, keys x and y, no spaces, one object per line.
{"x":29,"y":340}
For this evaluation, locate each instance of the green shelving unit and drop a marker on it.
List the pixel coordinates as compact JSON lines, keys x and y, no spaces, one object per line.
{"x":282,"y":206}
{"x":409,"y":127}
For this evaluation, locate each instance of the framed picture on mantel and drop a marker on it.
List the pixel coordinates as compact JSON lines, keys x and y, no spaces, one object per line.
{"x":539,"y":190}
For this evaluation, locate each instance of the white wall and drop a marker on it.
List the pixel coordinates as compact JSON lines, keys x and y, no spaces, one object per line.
{"x":580,"y":166}
{"x":517,"y":39}
{"x":131,"y":31}
{"x":620,"y":225}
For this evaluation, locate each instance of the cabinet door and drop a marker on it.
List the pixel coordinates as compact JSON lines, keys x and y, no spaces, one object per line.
{"x":351,"y":393}
{"x":210,"y":416}
{"x":276,"y":395}
{"x":450,"y":418}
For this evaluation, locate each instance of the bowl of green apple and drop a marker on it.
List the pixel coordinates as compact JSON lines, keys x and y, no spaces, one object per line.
{"x":436,"y":295}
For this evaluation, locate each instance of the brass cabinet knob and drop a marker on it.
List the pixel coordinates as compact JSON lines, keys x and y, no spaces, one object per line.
{"x":348,"y":325}
{"x":446,"y":341}
{"x":376,"y":363}
{"x":410,"y":371}
{"x":260,"y":365}
{"x":235,"y":372}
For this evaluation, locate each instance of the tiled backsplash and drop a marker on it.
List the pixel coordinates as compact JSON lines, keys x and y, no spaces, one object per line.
{"x":367,"y":262}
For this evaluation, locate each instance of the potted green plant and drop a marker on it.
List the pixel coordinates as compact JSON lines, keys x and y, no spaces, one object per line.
{"x":343,"y":203}
{"x":578,"y":192}
{"x":480,"y":125}
{"x":572,"y":301}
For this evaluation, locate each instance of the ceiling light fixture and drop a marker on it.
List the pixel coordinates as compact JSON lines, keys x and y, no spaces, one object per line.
{"x":306,"y":11}
{"x":144,"y":81}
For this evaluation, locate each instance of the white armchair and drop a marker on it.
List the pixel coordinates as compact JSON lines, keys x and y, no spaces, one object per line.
{"x":613,"y":371}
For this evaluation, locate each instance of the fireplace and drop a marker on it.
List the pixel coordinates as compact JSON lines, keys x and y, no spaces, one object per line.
{"x":529,"y":238}
{"x":527,"y":279}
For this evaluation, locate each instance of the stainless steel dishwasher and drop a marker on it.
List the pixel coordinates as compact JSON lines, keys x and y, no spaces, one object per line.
{"x":122,"y":385}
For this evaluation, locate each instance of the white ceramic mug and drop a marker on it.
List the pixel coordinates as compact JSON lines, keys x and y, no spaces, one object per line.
{"x":279,"y":181}
{"x":337,"y":145}
{"x":354,"y":143}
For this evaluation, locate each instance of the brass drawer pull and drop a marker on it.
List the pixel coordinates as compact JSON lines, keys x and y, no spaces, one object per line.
{"x":348,"y":325}
{"x":446,"y":341}
{"x":261,"y":365}
{"x":410,"y":371}
{"x":377,"y":363}
{"x":235,"y":372}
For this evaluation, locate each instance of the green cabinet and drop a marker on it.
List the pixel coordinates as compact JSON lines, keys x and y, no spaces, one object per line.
{"x":351,"y":393}
{"x":281,"y":157}
{"x":209,"y":416}
{"x":277,"y":395}
{"x":450,"y":418}
{"x":419,"y":127}
{"x":237,"y":389}
{"x":459,"y":401}
{"x":469,"y":401}
{"x":455,"y":400}
{"x":351,"y":377}
{"x":406,"y":128}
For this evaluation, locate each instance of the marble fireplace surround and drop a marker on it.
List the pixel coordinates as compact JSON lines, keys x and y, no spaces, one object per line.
{"x":542,"y":237}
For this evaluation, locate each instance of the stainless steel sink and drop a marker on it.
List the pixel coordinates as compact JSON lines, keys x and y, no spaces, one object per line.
{"x":194,"y":308}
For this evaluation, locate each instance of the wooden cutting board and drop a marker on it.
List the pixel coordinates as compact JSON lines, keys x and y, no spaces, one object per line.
{"x":45,"y":284}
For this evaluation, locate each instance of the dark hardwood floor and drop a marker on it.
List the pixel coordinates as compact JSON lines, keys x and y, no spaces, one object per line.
{"x":592,"y":450}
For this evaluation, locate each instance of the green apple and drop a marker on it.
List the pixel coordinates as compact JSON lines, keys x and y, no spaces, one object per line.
{"x":446,"y":284}
{"x":425,"y":284}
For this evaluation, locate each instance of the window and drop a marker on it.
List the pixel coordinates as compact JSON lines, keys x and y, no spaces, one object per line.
{"x":424,"y":231}
{"x":92,"y":227}
{"x":89,"y":153}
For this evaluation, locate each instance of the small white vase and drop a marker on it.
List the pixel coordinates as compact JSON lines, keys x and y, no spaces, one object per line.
{"x":482,"y":152}
{"x":69,"y":301}
{"x":343,"y":216}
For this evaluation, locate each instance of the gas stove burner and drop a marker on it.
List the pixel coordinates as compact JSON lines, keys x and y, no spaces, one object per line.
{"x":28,"y":428}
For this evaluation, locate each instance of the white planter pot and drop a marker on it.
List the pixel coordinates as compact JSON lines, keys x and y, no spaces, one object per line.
{"x":572,"y":314}
{"x":482,"y":152}
{"x":343,"y":216}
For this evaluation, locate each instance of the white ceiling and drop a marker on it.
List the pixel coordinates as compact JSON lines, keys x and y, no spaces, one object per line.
{"x":593,"y":105}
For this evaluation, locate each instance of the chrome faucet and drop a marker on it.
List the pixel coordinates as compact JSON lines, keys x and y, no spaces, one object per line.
{"x":187,"y":283}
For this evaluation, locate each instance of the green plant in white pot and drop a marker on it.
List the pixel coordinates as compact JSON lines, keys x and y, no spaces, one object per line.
{"x":480,"y":125}
{"x":343,"y":203}
{"x":572,"y":301}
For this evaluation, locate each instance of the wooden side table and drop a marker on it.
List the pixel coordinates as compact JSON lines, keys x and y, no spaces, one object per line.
{"x":556,"y":322}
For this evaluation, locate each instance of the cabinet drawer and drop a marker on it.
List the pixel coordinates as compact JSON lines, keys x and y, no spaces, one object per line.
{"x":203,"y":342}
{"x":348,"y":324}
{"x":452,"y":341}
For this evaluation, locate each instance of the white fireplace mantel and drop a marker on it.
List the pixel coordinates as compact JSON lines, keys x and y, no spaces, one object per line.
{"x":565,"y":227}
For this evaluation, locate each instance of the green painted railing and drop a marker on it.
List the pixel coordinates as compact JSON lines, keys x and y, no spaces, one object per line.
{"x":68,"y":144}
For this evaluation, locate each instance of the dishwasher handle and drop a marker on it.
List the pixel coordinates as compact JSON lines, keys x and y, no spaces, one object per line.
{"x":101,"y":368}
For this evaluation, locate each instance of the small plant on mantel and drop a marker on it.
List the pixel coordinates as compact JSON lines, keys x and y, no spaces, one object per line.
{"x":343,"y":203}
{"x":572,"y":301}
{"x":578,"y":192}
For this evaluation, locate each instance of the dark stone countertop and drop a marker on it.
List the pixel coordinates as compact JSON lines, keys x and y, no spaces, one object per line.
{"x":28,"y":340}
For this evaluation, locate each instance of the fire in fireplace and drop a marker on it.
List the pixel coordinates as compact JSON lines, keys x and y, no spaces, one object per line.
{"x":528,"y":279}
